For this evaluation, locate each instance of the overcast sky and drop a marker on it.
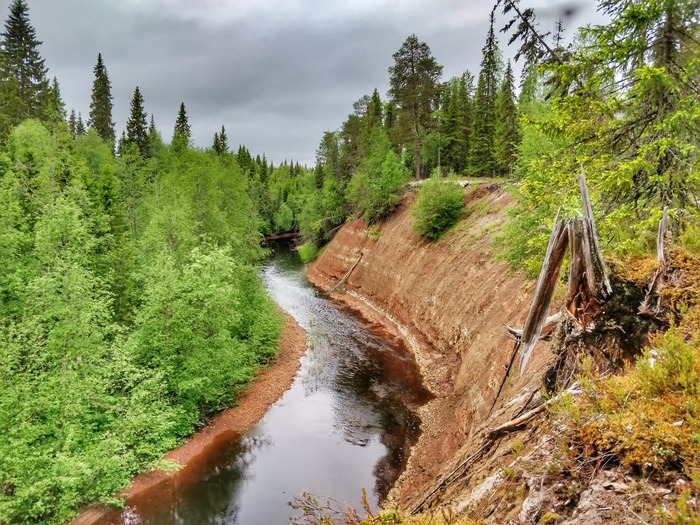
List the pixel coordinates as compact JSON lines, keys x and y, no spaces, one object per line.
{"x":276,"y":73}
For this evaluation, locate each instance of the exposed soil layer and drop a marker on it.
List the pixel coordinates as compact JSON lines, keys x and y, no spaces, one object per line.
{"x":449,"y":300}
{"x":268,"y":387}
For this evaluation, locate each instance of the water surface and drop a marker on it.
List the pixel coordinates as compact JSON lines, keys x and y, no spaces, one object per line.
{"x":347,"y":423}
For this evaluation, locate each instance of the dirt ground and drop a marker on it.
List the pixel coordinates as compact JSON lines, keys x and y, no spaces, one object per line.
{"x":268,"y":387}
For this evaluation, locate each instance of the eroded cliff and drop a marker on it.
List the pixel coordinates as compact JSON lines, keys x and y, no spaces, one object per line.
{"x":450,"y":300}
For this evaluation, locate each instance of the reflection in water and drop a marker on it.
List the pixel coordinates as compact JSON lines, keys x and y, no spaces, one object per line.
{"x":347,"y":422}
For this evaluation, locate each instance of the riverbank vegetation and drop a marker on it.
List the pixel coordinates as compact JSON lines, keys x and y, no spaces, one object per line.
{"x":131,"y":304}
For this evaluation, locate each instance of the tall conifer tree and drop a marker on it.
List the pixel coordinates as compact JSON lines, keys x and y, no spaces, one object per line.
{"x":136,"y":125}
{"x":223,"y":140}
{"x":101,"y":103}
{"x":414,"y":87}
{"x":55,"y":110}
{"x":80,"y":128}
{"x":73,"y":123}
{"x":181,"y":133}
{"x":155,"y":142}
{"x":23,"y":82}
{"x":482,"y":158}
{"x":506,"y":130}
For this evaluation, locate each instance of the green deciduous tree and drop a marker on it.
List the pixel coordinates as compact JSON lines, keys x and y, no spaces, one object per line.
{"x":414,"y":87}
{"x":101,"y":103}
{"x":376,"y":187}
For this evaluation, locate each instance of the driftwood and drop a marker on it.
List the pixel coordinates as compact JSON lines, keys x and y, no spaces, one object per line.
{"x":454,"y":474}
{"x":488,"y":442}
{"x":518,"y":422}
{"x":345,"y":277}
{"x":281,"y":236}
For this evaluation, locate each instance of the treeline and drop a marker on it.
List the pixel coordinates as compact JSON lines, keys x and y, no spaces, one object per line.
{"x":620,"y":101}
{"x":130,"y":301}
{"x":466,"y":126}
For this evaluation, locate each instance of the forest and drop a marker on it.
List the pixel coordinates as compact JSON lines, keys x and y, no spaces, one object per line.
{"x":131,"y":303}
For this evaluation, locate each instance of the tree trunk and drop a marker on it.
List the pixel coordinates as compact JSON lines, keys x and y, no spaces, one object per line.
{"x":558,"y":242}
{"x":416,"y":131}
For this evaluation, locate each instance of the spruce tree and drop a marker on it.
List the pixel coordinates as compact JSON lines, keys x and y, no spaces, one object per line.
{"x":73,"y":123}
{"x":155,"y":142}
{"x":482,"y":158}
{"x":136,"y":125}
{"x":414,"y":87}
{"x":80,"y":128}
{"x":223,"y":140}
{"x":465,"y":94}
{"x":456,"y":122}
{"x":101,"y":103}
{"x":216,"y":146}
{"x":375,"y":110}
{"x":55,"y":110}
{"x":23,"y":82}
{"x":181,"y":133}
{"x":122,"y":144}
{"x":506,"y":130}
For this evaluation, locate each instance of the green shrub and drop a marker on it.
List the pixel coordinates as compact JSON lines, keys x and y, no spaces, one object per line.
{"x":308,"y":252}
{"x":439,"y":205}
{"x":374,"y":191}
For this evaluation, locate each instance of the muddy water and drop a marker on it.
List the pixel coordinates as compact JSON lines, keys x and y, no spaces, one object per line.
{"x":347,"y":423}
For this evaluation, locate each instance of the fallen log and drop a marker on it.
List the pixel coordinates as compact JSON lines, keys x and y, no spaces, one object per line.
{"x":345,"y":277}
{"x":518,"y":422}
{"x":281,"y":236}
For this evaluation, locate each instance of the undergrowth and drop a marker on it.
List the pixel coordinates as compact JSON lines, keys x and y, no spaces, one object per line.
{"x":440,"y":203}
{"x":317,"y":512}
{"x":646,"y":419}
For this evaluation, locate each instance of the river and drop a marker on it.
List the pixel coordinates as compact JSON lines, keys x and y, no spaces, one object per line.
{"x":347,"y":423}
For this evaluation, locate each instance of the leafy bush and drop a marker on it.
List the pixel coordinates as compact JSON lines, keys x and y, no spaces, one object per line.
{"x":438,"y":208}
{"x":308,"y":252}
{"x":375,"y":193}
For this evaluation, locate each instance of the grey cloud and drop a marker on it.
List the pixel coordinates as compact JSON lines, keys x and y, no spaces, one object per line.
{"x":275,"y":86}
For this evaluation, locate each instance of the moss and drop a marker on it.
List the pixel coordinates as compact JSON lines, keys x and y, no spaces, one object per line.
{"x":648,"y":418}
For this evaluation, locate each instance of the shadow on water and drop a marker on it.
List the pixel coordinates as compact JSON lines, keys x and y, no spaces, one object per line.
{"x":347,"y":422}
